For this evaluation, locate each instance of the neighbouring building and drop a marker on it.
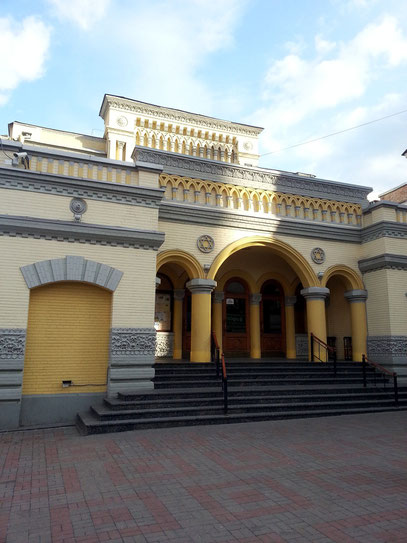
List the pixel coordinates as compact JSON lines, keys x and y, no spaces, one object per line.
{"x":119,"y":249}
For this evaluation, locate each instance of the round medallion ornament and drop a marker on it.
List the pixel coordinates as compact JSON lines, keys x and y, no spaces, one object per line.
{"x":205,"y":244}
{"x":318,"y":255}
{"x":248,"y":146}
{"x":122,"y":121}
{"x":78,"y":208}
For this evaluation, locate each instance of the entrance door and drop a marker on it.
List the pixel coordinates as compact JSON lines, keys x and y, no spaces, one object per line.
{"x":236,"y":319}
{"x":272,"y":319}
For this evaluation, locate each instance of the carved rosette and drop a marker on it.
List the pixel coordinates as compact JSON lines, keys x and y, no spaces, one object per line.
{"x":132,"y":342}
{"x":318,"y":255}
{"x":12,"y":343}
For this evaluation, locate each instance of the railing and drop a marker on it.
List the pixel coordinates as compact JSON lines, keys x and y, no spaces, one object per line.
{"x":384,"y":371}
{"x":219,"y":360}
{"x":316,"y":346}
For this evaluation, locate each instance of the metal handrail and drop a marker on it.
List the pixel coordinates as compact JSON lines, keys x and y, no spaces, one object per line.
{"x":384,"y":371}
{"x":328,"y":349}
{"x":219,"y":360}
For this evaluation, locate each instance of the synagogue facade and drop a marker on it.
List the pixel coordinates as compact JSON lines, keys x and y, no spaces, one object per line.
{"x":138,"y":245}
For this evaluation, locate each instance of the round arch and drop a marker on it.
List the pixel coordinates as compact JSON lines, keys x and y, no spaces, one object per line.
{"x":251,"y":283}
{"x":290,"y":255}
{"x":288,"y":290}
{"x":352,"y":279}
{"x":188,"y":262}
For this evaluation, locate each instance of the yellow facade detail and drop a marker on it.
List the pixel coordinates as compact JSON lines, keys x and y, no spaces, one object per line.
{"x":201,"y":327}
{"x":177,"y":325}
{"x":67,"y":339}
{"x":291,"y":352}
{"x":351,"y":278}
{"x":188,"y":262}
{"x":255,"y":343}
{"x":290,"y":255}
{"x":223,"y":195}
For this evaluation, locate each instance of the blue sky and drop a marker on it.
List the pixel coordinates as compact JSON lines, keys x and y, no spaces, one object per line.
{"x":301,"y":69}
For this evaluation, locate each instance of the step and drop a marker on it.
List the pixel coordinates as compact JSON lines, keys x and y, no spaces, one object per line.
{"x":87,"y":424}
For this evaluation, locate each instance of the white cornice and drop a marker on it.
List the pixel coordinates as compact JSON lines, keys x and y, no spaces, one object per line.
{"x":176,"y":115}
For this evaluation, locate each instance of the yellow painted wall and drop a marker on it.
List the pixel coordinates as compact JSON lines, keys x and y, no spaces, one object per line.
{"x":67,"y":338}
{"x":49,"y":206}
{"x":133,"y":304}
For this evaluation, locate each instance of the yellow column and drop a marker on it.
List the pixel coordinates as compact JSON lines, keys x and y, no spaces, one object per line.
{"x":201,"y":318}
{"x":316,"y":318}
{"x":217,"y":316}
{"x":291,"y":351}
{"x":177,"y":323}
{"x":255,"y":343}
{"x":357,"y":300}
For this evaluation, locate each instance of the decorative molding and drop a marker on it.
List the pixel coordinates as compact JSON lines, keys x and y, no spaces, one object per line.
{"x":218,"y":296}
{"x":164,"y":346}
{"x":386,"y":261}
{"x":384,"y":229}
{"x":12,"y":343}
{"x":255,"y":298}
{"x":234,"y":174}
{"x":183,"y":117}
{"x":355,"y":296}
{"x":78,"y":206}
{"x":71,"y":268}
{"x":315,"y":293}
{"x":301,"y":345}
{"x":205,"y":244}
{"x":80,"y":188}
{"x":201,"y":286}
{"x":48,"y":229}
{"x":318,"y":255}
{"x":184,"y":213}
{"x":126,"y":342}
{"x":387,"y":345}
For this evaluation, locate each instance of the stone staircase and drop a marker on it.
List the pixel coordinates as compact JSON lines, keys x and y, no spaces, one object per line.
{"x":190,"y":394}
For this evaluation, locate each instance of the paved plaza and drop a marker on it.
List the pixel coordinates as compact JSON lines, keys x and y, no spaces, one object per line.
{"x":339,"y":479}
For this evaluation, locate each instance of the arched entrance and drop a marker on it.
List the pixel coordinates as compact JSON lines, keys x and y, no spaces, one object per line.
{"x":236,"y":340}
{"x":272,"y":315}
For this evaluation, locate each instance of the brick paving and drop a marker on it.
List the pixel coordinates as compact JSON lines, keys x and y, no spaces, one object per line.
{"x":339,"y":479}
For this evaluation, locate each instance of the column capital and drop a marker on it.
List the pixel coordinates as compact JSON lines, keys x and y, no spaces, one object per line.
{"x":290,"y":301}
{"x":157,"y":282}
{"x":255,"y":298}
{"x":201,"y":286}
{"x":315,"y":293}
{"x":179,"y":294}
{"x":218,"y":296}
{"x":356,"y":295}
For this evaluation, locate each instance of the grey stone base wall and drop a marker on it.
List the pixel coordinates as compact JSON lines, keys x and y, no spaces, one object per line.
{"x":164,"y":346}
{"x":390,"y":352}
{"x":12,"y":350}
{"x":301,"y":346}
{"x":43,"y":409}
{"x":132,"y":355}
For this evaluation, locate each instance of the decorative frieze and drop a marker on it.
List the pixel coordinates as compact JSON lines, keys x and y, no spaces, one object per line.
{"x":386,"y":261}
{"x":164,"y":346}
{"x":12,"y":343}
{"x":137,"y":342}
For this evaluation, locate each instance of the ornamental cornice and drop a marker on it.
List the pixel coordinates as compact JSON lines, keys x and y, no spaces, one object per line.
{"x":82,"y":188}
{"x":37,"y":228}
{"x":231,"y":173}
{"x":385,"y":261}
{"x":185,"y":117}
{"x":383,"y":229}
{"x":187,"y":214}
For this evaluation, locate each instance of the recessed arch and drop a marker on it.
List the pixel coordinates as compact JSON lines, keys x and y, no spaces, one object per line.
{"x":188,"y":262}
{"x":238,"y":274}
{"x":290,"y":255}
{"x":275,"y":276}
{"x":352,"y":279}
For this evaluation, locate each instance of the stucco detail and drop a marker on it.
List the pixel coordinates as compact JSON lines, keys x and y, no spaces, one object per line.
{"x":387,"y":229}
{"x":201,"y":286}
{"x":301,"y":345}
{"x":255,"y":298}
{"x":356,"y":295}
{"x":12,"y":350}
{"x":71,"y":268}
{"x":315,"y":293}
{"x":384,"y":261}
{"x":164,"y":346}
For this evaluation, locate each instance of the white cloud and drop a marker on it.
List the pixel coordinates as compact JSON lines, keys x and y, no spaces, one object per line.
{"x":165,"y":44}
{"x":84,"y":13}
{"x":25,"y":46}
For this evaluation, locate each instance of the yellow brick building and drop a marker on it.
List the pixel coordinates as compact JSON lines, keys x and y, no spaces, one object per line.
{"x":137,"y":245}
